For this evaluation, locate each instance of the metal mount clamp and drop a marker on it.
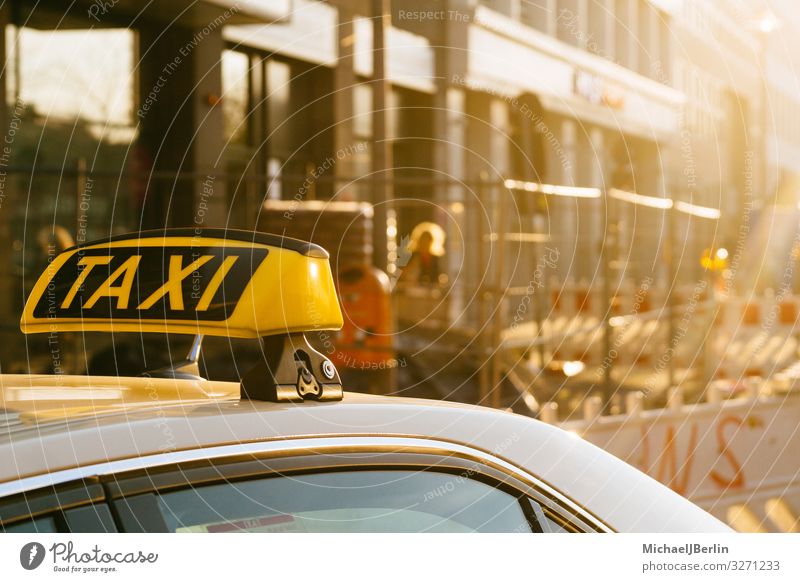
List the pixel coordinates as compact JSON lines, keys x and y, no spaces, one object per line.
{"x":291,"y":371}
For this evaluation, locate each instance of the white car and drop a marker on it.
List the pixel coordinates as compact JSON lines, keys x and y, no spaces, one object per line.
{"x":286,"y":449}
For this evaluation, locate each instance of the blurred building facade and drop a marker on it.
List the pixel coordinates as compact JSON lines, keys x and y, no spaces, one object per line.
{"x":569,"y":93}
{"x":690,"y":100}
{"x":739,"y":134}
{"x":665,"y":98}
{"x":433,"y":106}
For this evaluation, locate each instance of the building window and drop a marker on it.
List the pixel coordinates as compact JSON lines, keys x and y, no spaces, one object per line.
{"x":662,"y":72}
{"x":84,"y":75}
{"x":644,"y":37}
{"x":537,"y":14}
{"x":505,"y":7}
{"x":360,"y":158}
{"x":362,"y":111}
{"x":279,"y":110}
{"x":235,"y":95}
{"x":623,"y":33}
{"x":598,"y":37}
{"x":571,"y":23}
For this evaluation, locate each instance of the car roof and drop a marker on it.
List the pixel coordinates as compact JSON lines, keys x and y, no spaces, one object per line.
{"x":53,"y":423}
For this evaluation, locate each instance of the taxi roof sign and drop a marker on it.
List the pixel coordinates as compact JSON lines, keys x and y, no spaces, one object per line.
{"x":191,"y":281}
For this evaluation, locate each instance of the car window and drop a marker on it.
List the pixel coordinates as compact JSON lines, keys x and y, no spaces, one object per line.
{"x":346,"y":501}
{"x":38,"y":525}
{"x":94,"y":518}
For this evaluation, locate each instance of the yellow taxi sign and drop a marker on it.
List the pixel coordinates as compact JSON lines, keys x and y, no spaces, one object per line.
{"x":193,"y":281}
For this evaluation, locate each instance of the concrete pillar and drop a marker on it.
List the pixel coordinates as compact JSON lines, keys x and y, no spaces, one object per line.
{"x":344,"y":79}
{"x":592,"y":214}
{"x":499,"y":152}
{"x":569,"y":132}
{"x":207,"y":141}
{"x":181,"y":128}
{"x":567,"y":220}
{"x":598,"y":162}
{"x":453,"y":145}
{"x":449,"y":103}
{"x":487,"y":158}
{"x":382,"y":163}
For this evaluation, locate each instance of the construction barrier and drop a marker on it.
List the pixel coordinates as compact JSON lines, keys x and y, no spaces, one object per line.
{"x":721,"y":454}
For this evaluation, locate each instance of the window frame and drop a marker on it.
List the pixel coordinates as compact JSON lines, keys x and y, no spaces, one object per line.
{"x":127,"y":478}
{"x":45,"y":501}
{"x":65,"y":504}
